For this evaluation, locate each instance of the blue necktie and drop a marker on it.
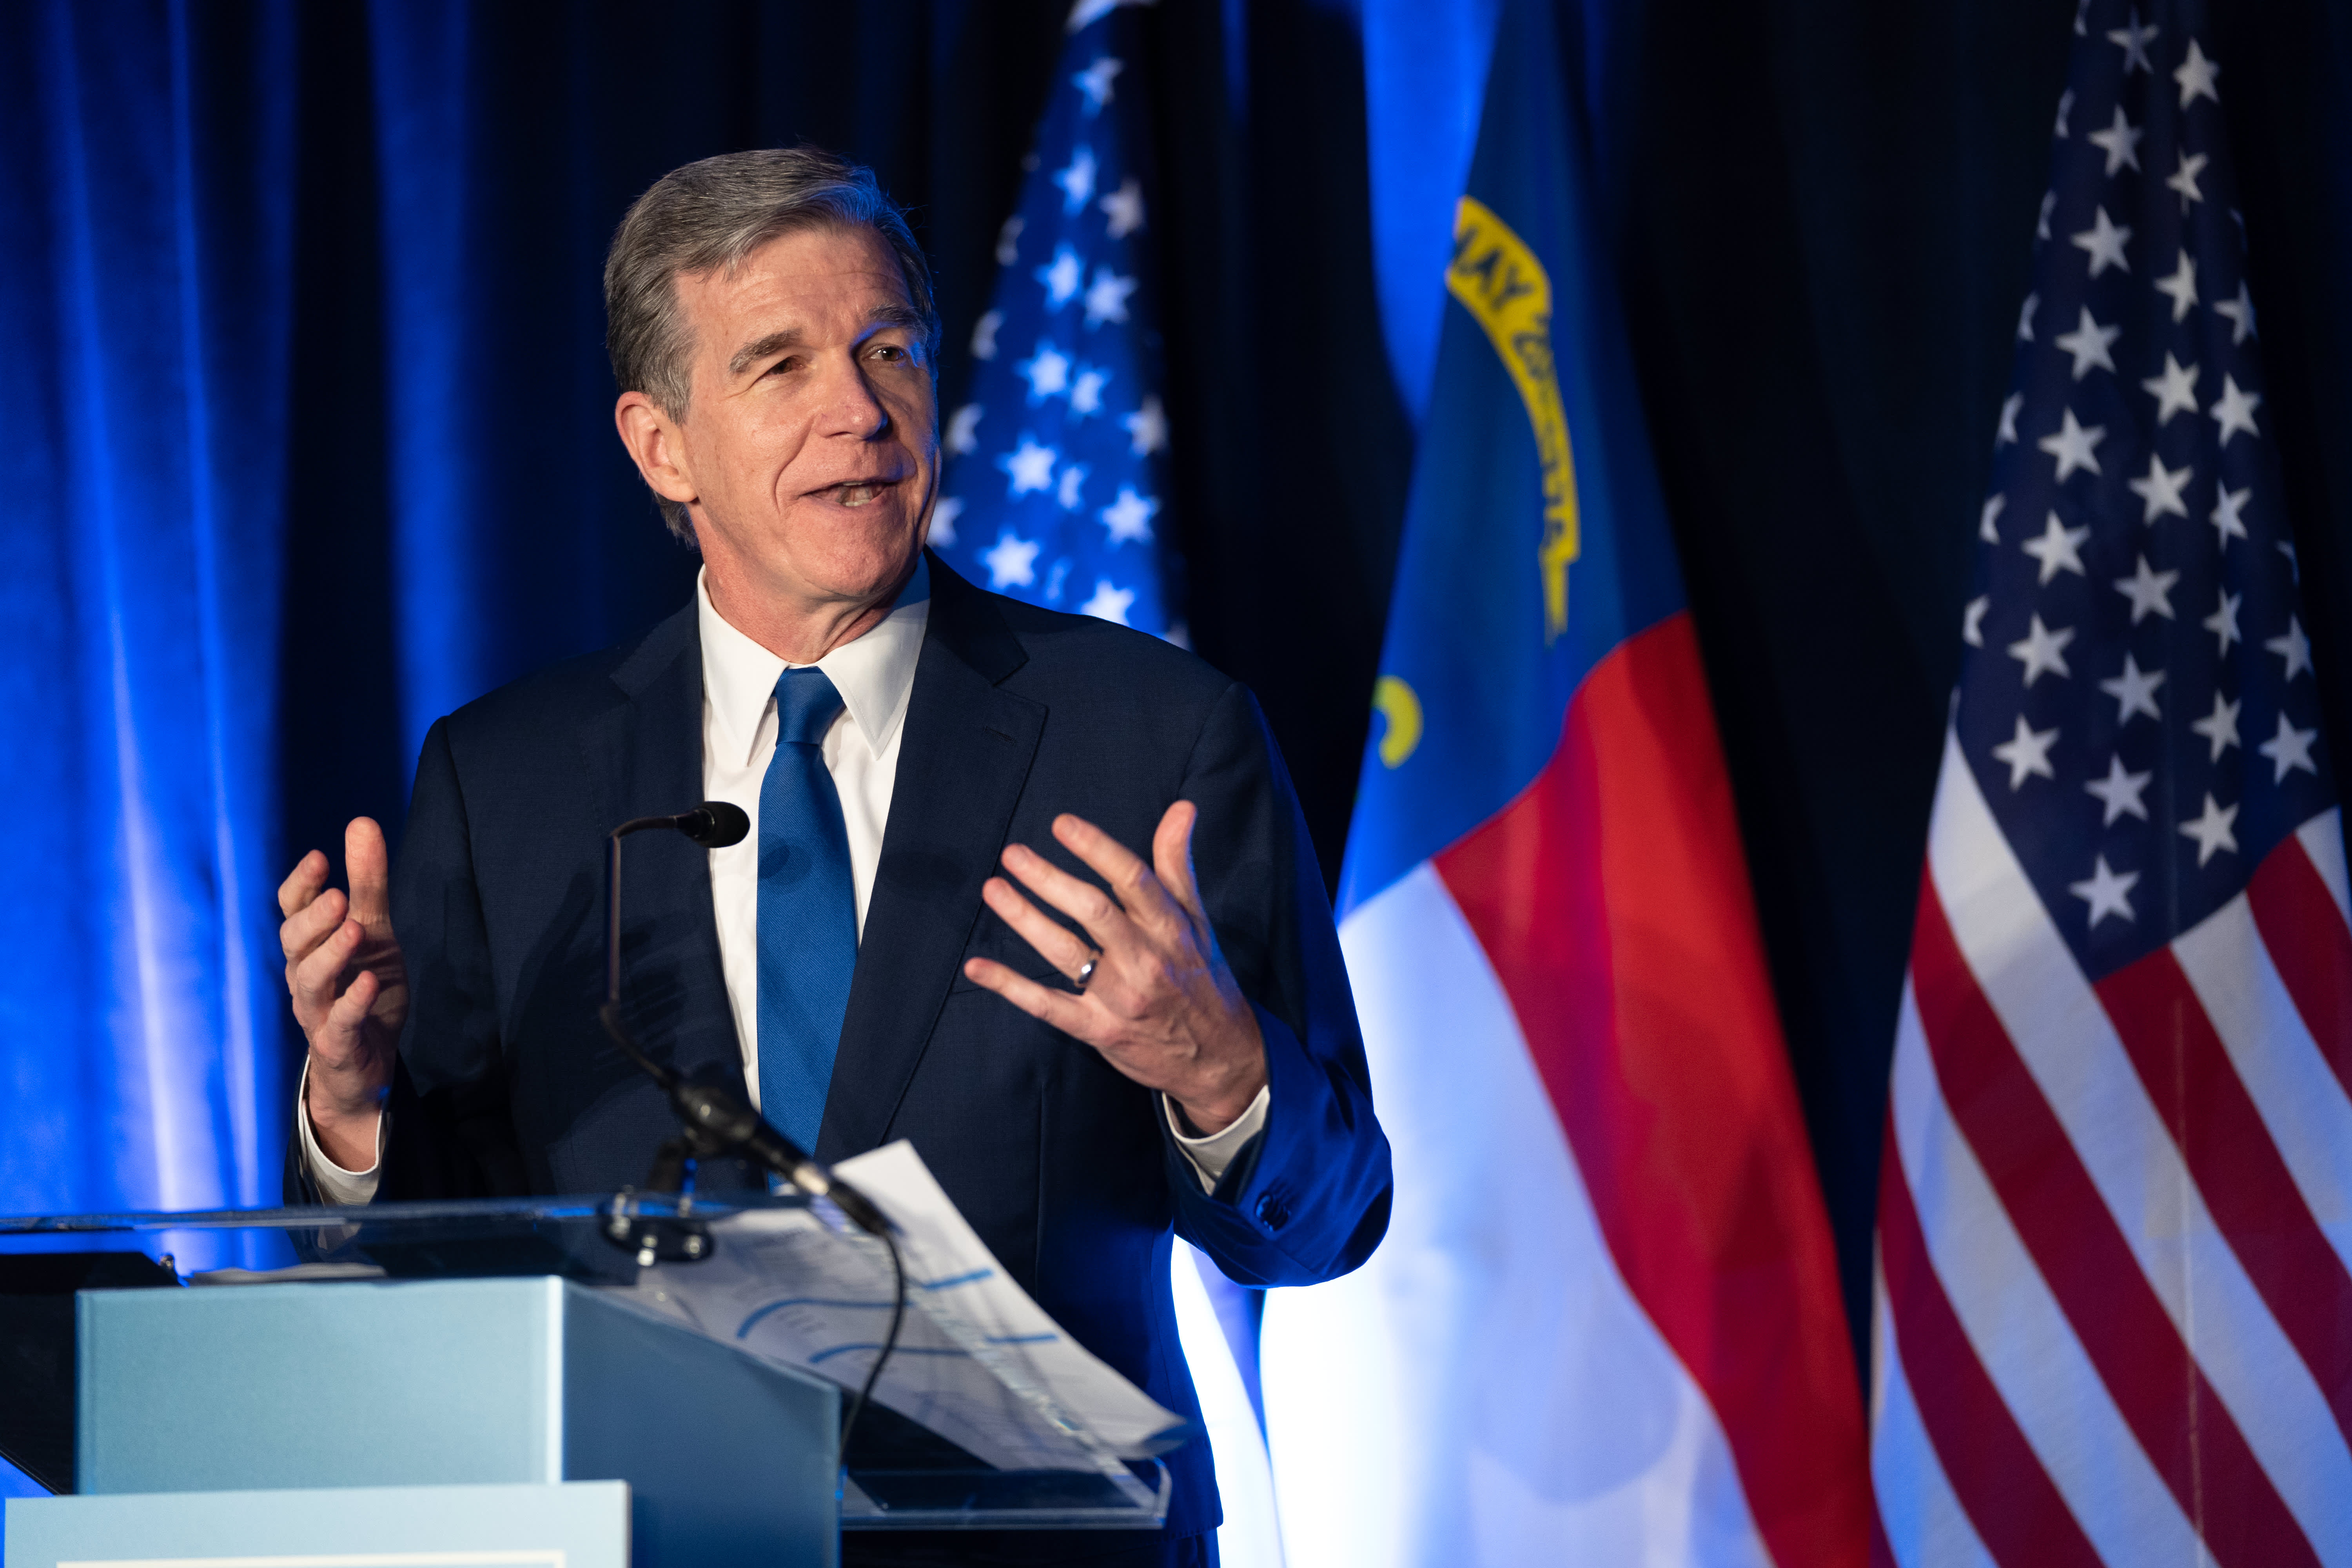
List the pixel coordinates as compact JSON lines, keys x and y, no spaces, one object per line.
{"x":808,"y":911}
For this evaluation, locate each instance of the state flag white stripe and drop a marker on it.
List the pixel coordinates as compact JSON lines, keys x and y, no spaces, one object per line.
{"x":2018,"y":1330}
{"x":2300,"y":1099}
{"x":2071,"y":1047}
{"x":1924,"y":1525}
{"x":2323,"y":839}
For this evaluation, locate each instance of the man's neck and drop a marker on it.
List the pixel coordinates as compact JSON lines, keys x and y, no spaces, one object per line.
{"x":797,"y":631}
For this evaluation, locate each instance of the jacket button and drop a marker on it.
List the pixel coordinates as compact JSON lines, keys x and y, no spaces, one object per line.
{"x":1272,"y":1212}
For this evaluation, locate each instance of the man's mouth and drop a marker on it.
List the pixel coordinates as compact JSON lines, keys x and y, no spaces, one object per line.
{"x":859,"y":492}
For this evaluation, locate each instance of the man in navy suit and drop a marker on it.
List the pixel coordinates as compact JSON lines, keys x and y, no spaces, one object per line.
{"x":1028,"y":889}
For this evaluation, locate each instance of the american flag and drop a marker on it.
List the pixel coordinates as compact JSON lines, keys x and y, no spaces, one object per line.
{"x":2112,"y":1317}
{"x":1056,"y":487}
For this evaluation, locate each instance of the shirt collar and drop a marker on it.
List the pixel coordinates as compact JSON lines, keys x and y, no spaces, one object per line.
{"x":874,"y":673}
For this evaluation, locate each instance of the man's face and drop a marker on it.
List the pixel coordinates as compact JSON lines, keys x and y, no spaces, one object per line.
{"x":811,"y":435}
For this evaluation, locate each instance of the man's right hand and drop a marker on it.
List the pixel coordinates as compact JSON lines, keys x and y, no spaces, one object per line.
{"x":350,"y":987}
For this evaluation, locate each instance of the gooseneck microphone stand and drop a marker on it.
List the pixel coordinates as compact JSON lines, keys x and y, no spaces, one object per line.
{"x":714,"y":1119}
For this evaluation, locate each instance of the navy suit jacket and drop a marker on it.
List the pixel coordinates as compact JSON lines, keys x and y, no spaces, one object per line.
{"x":1064,"y":1167}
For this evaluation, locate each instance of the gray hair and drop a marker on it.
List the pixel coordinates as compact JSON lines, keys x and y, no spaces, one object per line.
{"x":713,"y":214}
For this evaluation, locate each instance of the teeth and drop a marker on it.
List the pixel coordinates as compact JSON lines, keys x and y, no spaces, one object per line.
{"x":858,"y":495}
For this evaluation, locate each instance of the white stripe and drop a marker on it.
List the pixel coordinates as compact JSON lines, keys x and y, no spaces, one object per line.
{"x":2074,"y":1053}
{"x":2019,"y":1334}
{"x":1924,"y":1523}
{"x":2298,"y":1096}
{"x":1485,"y":1390}
{"x":2323,"y":839}
{"x":1250,"y":1536}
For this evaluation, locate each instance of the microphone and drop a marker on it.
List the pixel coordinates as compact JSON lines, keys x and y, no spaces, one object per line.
{"x":716,"y":1118}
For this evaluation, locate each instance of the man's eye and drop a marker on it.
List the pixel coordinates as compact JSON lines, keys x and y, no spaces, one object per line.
{"x":891,"y":351}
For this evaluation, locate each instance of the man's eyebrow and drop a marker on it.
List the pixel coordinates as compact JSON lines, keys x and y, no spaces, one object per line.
{"x":776,"y":343}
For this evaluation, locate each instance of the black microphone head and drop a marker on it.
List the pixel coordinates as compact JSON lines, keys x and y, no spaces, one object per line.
{"x":715,"y":824}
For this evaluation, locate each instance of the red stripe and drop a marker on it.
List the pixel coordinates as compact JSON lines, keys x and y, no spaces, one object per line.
{"x":2156,"y":1384}
{"x":1881,"y":1550}
{"x":2310,"y":947}
{"x":1612,"y":898}
{"x":1993,"y":1471}
{"x":2204,"y":1104}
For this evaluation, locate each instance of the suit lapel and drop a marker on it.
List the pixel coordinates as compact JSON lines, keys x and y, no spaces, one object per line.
{"x":644,"y":756}
{"x":961,"y":765}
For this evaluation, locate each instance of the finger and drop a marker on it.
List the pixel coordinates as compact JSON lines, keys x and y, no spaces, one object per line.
{"x":1083,"y":902}
{"x":316,"y":980}
{"x":351,"y":1009}
{"x":302,"y":883}
{"x":309,"y":926}
{"x":368,"y":865}
{"x":1058,"y":1008}
{"x":1138,"y":888}
{"x":1056,"y":942}
{"x":1171,"y":857}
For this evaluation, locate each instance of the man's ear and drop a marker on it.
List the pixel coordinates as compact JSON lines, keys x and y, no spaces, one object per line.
{"x":656,"y":446}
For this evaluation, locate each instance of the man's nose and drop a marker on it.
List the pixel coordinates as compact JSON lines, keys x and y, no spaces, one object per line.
{"x":848,"y":406}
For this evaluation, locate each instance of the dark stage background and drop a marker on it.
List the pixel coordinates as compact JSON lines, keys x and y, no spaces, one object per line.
{"x":383,"y":372}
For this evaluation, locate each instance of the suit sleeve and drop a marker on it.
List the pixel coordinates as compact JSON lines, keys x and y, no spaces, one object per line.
{"x":1307,"y":1199}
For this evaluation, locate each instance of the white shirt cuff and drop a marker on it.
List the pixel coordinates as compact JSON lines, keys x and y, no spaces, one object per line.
{"x":1210,"y":1156}
{"x":338,"y":1188}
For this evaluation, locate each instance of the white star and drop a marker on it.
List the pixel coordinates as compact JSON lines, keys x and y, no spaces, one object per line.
{"x":2120,"y":791}
{"x":1008,"y":241}
{"x":2065,"y":108}
{"x":2025,"y":317}
{"x":2059,"y":549}
{"x":1060,"y":277}
{"x":2175,"y":391}
{"x":2161,"y":489}
{"x":1987,"y":528}
{"x":984,"y":334}
{"x":1111,"y":604}
{"x":2235,"y":411}
{"x":2288,"y":750}
{"x":1130,"y":517}
{"x":1123,"y":208}
{"x":2105,"y":243}
{"x":2292,"y":645}
{"x":2148,"y":591}
{"x":943,"y":521}
{"x":1147,"y":428}
{"x":1030,"y":466}
{"x":2240,"y":313}
{"x":2042,"y":224}
{"x":2088,"y":343}
{"x":2223,"y":622}
{"x":1077,"y":181}
{"x":1067,"y":489}
{"x":2120,"y":141}
{"x":1048,"y":372}
{"x":1106,"y":300}
{"x":2196,"y":77}
{"x":2107,"y":892}
{"x":2182,"y":286}
{"x":1095,"y":82}
{"x":963,"y":429}
{"x":2011,"y":407}
{"x":2074,"y":447}
{"x":1972,"y":620}
{"x":1086,"y":391}
{"x":2220,"y":726}
{"x":2133,"y":692}
{"x":2134,"y":41}
{"x":2042,"y":651}
{"x":1012,"y":562}
{"x":2028,"y":753}
{"x":2184,"y":179}
{"x":2227,"y":505}
{"x":2212,"y":830}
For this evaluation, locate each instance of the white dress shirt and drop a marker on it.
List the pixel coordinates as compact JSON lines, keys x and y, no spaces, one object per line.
{"x":874,"y":674}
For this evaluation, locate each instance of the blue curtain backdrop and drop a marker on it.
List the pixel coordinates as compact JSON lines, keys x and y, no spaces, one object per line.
{"x":306,"y":425}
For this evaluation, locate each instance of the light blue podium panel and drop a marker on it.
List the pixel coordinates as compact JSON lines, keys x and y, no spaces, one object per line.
{"x":584,"y":1524}
{"x":730,"y":1460}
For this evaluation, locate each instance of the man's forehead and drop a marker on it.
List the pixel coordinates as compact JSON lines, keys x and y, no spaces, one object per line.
{"x":830,"y":272}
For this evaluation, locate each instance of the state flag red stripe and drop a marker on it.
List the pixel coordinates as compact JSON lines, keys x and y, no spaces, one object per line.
{"x":2011,"y":1500}
{"x":2162,"y":1393}
{"x":2310,"y":946}
{"x":2246,"y":1185}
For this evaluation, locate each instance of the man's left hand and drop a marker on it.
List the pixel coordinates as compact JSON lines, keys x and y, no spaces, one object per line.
{"x":1161,"y":1005}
